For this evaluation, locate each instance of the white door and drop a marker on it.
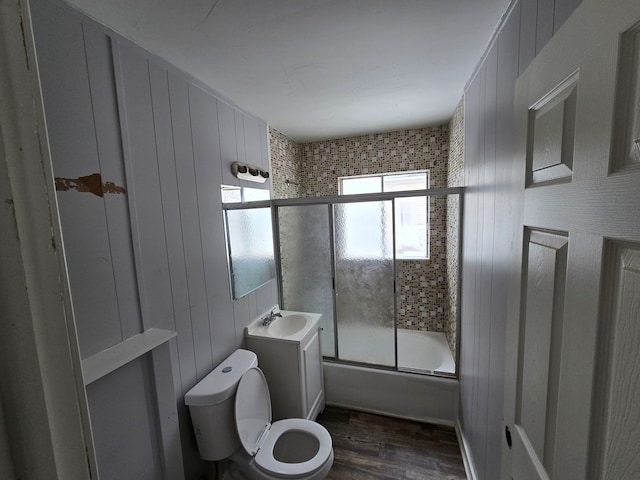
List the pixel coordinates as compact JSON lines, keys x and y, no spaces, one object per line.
{"x":572,"y":385}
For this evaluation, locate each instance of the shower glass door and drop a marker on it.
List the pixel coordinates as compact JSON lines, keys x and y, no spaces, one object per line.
{"x":364,"y":282}
{"x":306,"y":265}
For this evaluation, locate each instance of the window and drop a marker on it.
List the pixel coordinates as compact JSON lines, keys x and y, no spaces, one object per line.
{"x":232,"y":194}
{"x":411,"y":213}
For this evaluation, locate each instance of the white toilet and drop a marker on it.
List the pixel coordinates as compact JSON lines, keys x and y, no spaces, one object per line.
{"x":231,"y":415}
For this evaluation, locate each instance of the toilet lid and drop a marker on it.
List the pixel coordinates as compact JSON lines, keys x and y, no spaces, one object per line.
{"x":253,"y":410}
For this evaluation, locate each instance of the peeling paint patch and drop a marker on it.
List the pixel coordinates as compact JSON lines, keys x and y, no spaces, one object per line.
{"x":110,"y":187}
{"x":90,"y":183}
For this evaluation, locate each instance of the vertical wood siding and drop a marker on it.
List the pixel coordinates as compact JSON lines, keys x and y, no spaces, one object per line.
{"x":153,"y":255}
{"x":487,"y":237}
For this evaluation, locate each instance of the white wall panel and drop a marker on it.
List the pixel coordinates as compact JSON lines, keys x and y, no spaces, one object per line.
{"x":85,"y":142}
{"x":469,"y":327}
{"x":145,"y":193}
{"x":487,"y":180}
{"x":228,"y":142}
{"x":207,"y":139}
{"x":190,"y":224}
{"x":109,"y":143}
{"x":507,"y":72}
{"x":563,"y":9}
{"x":544,"y":23}
{"x":175,"y":246}
{"x":241,"y":148}
{"x":153,"y":255}
{"x":527,"y":37}
{"x":119,"y":400}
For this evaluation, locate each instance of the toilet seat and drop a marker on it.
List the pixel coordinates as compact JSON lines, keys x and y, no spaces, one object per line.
{"x":267,"y":461}
{"x":259,"y":436}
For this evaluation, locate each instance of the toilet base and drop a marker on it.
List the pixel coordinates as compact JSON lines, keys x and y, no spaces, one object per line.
{"x":241,"y":466}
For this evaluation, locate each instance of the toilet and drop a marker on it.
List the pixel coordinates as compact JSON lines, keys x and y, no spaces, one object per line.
{"x":231,"y":415}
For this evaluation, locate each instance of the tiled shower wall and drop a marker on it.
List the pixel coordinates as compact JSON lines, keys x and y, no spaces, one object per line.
{"x":286,"y":162}
{"x":455,"y":178}
{"x":313,"y":169}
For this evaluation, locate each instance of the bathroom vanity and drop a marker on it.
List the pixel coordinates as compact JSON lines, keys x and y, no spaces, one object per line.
{"x":290,"y":357}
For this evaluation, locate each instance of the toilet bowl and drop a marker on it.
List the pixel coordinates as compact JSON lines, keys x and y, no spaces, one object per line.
{"x":289,"y":448}
{"x":293,"y":448}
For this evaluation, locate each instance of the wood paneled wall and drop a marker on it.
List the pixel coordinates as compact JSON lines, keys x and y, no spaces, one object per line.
{"x":139,"y":153}
{"x":488,"y":239}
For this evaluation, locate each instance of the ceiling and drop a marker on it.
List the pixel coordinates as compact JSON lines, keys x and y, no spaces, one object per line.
{"x":318,"y":69}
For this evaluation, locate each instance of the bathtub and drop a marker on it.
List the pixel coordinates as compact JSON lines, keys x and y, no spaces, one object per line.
{"x":424,"y":351}
{"x":424,"y":398}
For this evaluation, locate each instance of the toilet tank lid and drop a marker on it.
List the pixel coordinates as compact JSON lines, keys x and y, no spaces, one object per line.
{"x":222,"y":382}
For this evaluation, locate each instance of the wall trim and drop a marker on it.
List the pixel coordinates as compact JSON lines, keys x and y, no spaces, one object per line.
{"x":465,"y":451}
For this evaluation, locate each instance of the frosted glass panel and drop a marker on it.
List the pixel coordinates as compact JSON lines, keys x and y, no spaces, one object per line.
{"x":250,"y":243}
{"x":305,"y":261}
{"x":364,"y":282}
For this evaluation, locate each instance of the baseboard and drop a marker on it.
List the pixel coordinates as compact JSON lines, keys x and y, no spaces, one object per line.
{"x":469,"y":467}
{"x":433,"y":421}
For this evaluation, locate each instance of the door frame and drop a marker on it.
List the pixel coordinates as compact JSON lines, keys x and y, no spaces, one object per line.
{"x":42,"y":376}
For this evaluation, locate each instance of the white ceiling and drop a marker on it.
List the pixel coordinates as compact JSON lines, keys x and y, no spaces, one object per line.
{"x":318,"y":69}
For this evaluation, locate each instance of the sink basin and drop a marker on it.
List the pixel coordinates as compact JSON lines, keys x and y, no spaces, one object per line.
{"x":293,"y":326}
{"x":287,"y":325}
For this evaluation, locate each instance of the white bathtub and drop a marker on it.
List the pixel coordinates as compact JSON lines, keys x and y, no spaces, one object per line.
{"x":407,"y":395}
{"x":417,"y":350}
{"x":424,"y":351}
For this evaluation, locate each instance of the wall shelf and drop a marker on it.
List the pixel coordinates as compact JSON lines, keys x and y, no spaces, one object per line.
{"x":106,"y":361}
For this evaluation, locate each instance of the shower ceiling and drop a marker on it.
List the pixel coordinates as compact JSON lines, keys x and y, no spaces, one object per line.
{"x":318,"y":69}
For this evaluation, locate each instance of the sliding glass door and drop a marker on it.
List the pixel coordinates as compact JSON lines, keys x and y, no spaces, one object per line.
{"x":383,"y":271}
{"x":364,"y":287}
{"x":353,"y":243}
{"x":306,"y":265}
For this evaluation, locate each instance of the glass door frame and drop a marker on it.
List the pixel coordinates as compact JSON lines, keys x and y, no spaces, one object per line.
{"x":344,"y":199}
{"x":369,"y":197}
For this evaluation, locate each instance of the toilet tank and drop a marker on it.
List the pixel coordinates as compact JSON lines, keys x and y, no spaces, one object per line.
{"x":211,"y":405}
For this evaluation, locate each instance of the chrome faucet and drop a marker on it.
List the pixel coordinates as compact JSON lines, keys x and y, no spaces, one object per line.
{"x":270,"y":317}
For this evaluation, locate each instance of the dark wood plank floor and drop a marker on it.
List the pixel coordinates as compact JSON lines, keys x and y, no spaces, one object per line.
{"x":368,"y":446}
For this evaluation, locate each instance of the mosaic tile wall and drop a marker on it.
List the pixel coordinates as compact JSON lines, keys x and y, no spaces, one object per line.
{"x":286,"y":160}
{"x":324,"y":162}
{"x":455,"y":177}
{"x":422,"y":284}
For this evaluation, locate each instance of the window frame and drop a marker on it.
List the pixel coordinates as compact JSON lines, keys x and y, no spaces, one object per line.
{"x":381,"y":177}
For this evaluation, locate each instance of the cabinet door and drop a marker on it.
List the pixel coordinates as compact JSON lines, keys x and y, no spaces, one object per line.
{"x":312,"y":364}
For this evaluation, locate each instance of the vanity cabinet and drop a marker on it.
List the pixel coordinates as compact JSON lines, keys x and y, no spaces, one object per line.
{"x":293,"y":370}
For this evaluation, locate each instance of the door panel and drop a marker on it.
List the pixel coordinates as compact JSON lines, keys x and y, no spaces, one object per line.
{"x":553,"y":124}
{"x":540,"y":342}
{"x":364,"y":269}
{"x":306,"y":265}
{"x":627,"y":121}
{"x":618,"y":417}
{"x":571,"y":385}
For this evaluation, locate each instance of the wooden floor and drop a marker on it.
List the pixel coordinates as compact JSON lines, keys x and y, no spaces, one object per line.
{"x":368,"y":446}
